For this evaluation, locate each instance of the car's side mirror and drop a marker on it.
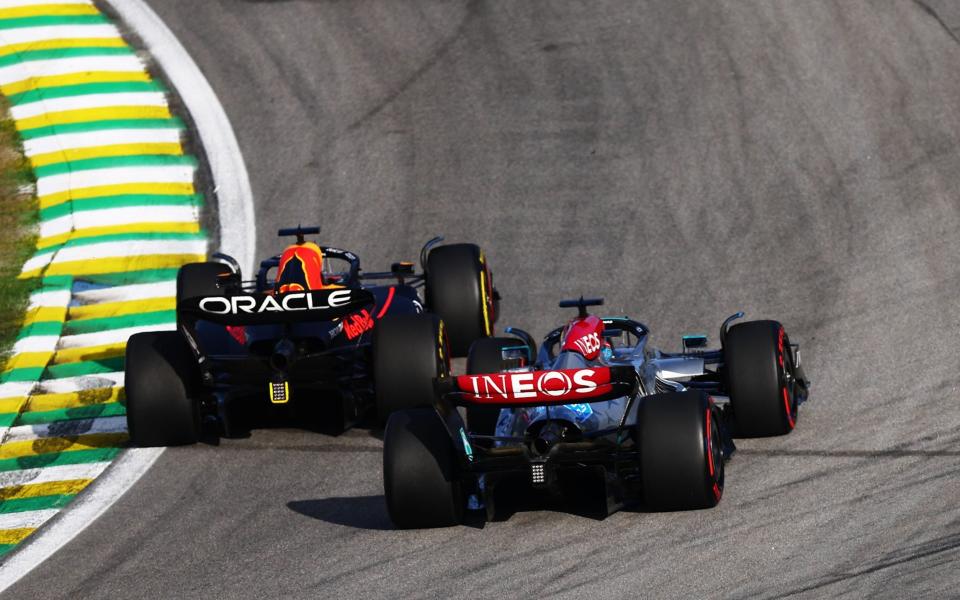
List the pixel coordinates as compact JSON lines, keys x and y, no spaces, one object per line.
{"x":402,"y":268}
{"x":693,"y":341}
{"x":229,"y":281}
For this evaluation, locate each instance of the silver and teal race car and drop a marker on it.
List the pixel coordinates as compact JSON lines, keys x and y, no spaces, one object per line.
{"x":595,"y":413}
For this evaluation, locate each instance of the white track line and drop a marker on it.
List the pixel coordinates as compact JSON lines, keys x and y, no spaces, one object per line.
{"x":238,"y":236}
{"x":93,"y":502}
{"x":234,"y":196}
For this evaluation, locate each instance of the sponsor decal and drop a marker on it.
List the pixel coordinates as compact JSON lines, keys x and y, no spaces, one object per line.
{"x":356,"y":324}
{"x":239,"y":333}
{"x":565,"y":384}
{"x":249,"y":304}
{"x":584,"y":336}
{"x":588,"y":344}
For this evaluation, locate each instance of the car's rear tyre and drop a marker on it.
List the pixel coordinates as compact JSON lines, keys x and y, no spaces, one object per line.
{"x":161,"y":375}
{"x":486,"y":356}
{"x":680,"y":451}
{"x":409,"y":352}
{"x":459,"y":288}
{"x":420,"y":480}
{"x":763,"y":401}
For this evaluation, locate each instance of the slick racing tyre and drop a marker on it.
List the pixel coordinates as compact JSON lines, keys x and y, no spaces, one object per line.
{"x":161,"y":374}
{"x":486,"y":356}
{"x":759,"y":367}
{"x":200,"y":279}
{"x":681,"y":460}
{"x":420,"y":471}
{"x":459,"y":288}
{"x":409,"y":352}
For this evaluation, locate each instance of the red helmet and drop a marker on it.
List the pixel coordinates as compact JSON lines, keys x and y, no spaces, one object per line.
{"x":584,"y":336}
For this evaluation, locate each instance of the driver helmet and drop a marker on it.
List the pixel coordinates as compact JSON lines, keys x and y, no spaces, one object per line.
{"x":300,"y":269}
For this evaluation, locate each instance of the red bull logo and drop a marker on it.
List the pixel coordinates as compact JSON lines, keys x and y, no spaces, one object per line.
{"x":356,"y":324}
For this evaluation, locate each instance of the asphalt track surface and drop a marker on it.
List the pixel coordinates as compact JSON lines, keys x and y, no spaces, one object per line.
{"x":797,"y":160}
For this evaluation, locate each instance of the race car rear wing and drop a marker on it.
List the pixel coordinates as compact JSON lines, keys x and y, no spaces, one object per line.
{"x":265,"y":308}
{"x":540,"y":388}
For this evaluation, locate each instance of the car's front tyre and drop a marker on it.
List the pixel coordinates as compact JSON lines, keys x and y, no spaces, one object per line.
{"x":757,"y":360}
{"x":459,"y":288}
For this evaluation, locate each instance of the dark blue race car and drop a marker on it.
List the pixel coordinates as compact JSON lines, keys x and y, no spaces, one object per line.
{"x":312,"y":335}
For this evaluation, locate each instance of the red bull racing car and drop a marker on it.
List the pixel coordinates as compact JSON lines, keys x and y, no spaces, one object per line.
{"x":313,"y":334}
{"x":596,"y":412}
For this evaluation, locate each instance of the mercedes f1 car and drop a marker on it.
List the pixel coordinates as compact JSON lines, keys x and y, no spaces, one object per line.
{"x":312,"y":334}
{"x":595,"y":405}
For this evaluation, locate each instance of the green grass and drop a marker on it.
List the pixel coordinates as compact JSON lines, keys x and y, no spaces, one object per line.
{"x":18,"y":219}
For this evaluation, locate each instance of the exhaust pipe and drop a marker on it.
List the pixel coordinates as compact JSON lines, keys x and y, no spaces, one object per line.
{"x":283,"y":354}
{"x":550,"y":435}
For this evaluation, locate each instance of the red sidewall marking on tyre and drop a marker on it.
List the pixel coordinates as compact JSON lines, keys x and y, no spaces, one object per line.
{"x":786,"y":397}
{"x":786,"y":405}
{"x":710,"y":446}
